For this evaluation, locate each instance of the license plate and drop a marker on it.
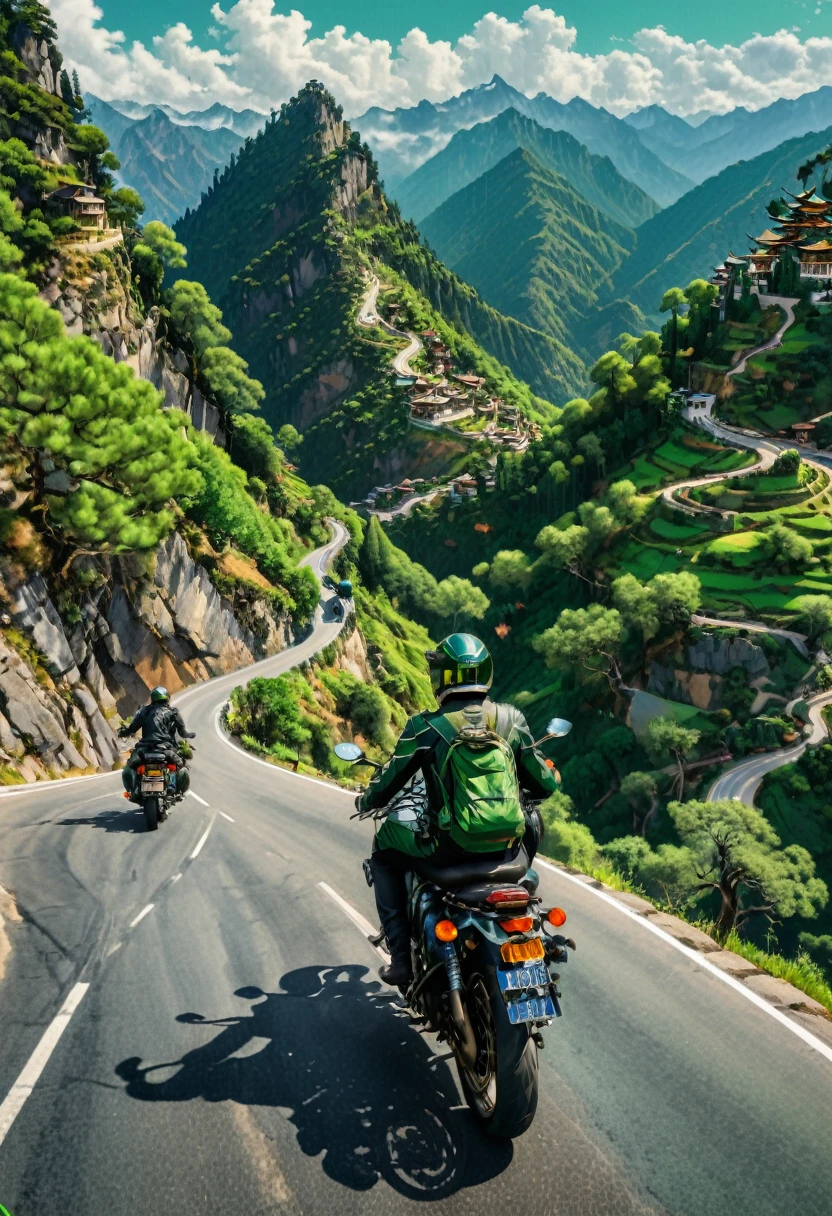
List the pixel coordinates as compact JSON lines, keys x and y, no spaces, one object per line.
{"x":153,"y":787}
{"x":531,"y":1010}
{"x":519,"y":979}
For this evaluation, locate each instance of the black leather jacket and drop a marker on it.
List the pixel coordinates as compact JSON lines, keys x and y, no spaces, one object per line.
{"x":159,"y":724}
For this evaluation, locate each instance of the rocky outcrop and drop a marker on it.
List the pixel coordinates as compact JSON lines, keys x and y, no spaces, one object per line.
{"x":695,"y":677}
{"x":91,"y":291}
{"x":42,"y":63}
{"x":62,"y":682}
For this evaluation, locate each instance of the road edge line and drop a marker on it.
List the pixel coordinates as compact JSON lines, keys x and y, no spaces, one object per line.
{"x":693,"y":956}
{"x":13,"y":1103}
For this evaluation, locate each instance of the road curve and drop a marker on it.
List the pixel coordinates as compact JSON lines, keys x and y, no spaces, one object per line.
{"x":228,"y":1048}
{"x":368,"y":317}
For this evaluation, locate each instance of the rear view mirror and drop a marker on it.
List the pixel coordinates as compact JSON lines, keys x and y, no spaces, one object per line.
{"x":557,"y":728}
{"x":349,"y":752}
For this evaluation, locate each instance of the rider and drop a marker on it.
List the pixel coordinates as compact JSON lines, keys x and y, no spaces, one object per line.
{"x":159,"y":723}
{"x":462,"y":672}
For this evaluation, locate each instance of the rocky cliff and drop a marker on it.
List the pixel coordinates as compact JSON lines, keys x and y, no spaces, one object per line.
{"x":42,"y":63}
{"x":696,"y":675}
{"x":126,"y":625}
{"x":92,"y":292}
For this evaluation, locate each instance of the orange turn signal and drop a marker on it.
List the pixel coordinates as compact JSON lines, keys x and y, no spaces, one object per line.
{"x":140,"y":769}
{"x":518,"y":924}
{"x":446,"y":931}
{"x":522,"y":952}
{"x":126,"y":795}
{"x":556,"y":917}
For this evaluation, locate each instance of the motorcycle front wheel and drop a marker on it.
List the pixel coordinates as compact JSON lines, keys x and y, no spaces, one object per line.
{"x":151,"y":814}
{"x":502,"y":1086}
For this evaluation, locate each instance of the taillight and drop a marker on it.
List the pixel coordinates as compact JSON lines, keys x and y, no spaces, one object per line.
{"x":140,"y":769}
{"x":446,"y":931}
{"x":522,"y":952}
{"x":508,"y":897}
{"x":171,"y":768}
{"x":519,"y":924}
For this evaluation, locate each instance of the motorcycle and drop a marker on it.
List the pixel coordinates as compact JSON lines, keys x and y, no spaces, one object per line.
{"x":483,"y":952}
{"x":157,"y":788}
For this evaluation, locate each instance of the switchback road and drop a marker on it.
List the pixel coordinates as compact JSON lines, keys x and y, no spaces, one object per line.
{"x":191,"y":1023}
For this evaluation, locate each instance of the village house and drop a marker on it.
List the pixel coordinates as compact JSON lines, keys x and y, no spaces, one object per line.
{"x":81,"y":204}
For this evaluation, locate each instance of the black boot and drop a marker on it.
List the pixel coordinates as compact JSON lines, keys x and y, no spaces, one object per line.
{"x":398,"y":972}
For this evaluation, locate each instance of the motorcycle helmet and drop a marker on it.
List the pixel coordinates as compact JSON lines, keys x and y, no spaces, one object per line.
{"x":159,"y":694}
{"x":460,"y":663}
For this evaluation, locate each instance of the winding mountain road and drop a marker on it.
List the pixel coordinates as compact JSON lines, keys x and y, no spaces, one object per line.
{"x":368,"y":318}
{"x":191,"y":1023}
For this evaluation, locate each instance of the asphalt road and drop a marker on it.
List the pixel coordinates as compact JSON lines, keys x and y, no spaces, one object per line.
{"x":234,"y":1053}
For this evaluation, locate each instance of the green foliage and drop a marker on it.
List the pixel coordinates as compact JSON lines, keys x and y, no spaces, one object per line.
{"x":267,"y":710}
{"x":124,"y":207}
{"x":224,"y":372}
{"x":787,"y":463}
{"x":786,"y":548}
{"x":667,"y":601}
{"x":19,"y":167}
{"x":814,"y":614}
{"x":289,"y":437}
{"x":253,"y":448}
{"x":587,"y":638}
{"x":162,"y":240}
{"x":65,"y":401}
{"x":196,"y":323}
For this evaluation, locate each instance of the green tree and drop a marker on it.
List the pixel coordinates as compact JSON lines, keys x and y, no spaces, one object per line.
{"x":787,"y":463}
{"x":510,"y":568}
{"x":196,"y":322}
{"x":267,"y":709}
{"x":162,"y":240}
{"x":124,"y":207}
{"x":369,"y":713}
{"x":667,"y":737}
{"x":737,"y":855}
{"x":786,"y":548}
{"x":253,"y":447}
{"x":63,"y":401}
{"x":225,"y":374}
{"x":289,"y":437}
{"x":814,"y":614}
{"x":615,"y":375}
{"x":672,"y":300}
{"x":148,"y":269}
{"x":584,"y":640}
{"x":19,"y":167}
{"x":642,"y":793}
{"x":458,"y":597}
{"x":567,"y":548}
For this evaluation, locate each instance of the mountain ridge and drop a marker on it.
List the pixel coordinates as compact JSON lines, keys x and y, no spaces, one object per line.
{"x":474,"y":150}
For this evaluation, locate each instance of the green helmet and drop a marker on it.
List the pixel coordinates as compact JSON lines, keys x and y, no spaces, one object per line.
{"x":460,"y":663}
{"x":160,"y":693}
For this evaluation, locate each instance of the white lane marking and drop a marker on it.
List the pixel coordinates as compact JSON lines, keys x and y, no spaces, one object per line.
{"x":275,"y":768}
{"x":701,"y":960}
{"x":228,"y":817}
{"x":27,"y":1080}
{"x":141,"y":915}
{"x":355,"y":916}
{"x":202,"y":800}
{"x":37,"y":787}
{"x":175,"y":878}
{"x":202,"y":840}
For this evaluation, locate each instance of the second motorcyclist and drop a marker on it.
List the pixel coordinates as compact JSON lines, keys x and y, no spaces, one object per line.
{"x":162,"y":726}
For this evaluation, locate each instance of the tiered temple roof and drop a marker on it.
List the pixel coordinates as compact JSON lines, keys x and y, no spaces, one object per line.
{"x":801,"y":223}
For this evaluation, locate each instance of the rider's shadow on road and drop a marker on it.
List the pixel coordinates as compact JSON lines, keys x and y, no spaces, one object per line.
{"x":108,"y":821}
{"x":355,"y":1075}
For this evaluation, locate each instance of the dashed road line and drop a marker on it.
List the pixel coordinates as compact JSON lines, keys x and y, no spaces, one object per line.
{"x":228,"y":817}
{"x":355,"y":916}
{"x":202,"y":840}
{"x":25,"y":1083}
{"x":141,"y":915}
{"x":202,"y":800}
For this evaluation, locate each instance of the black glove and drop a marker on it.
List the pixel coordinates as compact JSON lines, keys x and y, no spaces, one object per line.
{"x":123,"y":732}
{"x":190,"y":734}
{"x":358,"y":806}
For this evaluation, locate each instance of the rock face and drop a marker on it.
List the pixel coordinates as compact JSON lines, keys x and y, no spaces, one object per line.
{"x":91,"y":292}
{"x":41,"y":61}
{"x":62,"y":681}
{"x":698,"y":679}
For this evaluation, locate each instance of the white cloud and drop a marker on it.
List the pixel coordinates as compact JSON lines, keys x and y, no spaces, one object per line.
{"x":262,"y":56}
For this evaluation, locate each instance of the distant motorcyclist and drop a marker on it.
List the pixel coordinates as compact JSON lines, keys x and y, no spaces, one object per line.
{"x":461,"y":672}
{"x":160,"y":725}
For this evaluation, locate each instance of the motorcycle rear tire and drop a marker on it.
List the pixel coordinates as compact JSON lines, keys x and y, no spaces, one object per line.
{"x":503,"y":1091}
{"x":151,"y":814}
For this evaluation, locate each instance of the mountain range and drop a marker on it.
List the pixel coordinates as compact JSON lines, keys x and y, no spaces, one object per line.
{"x":475,"y":150}
{"x":403,"y":139}
{"x":530,"y":245}
{"x":686,"y":240}
{"x":243,"y":122}
{"x":170,"y":163}
{"x":703,"y":151}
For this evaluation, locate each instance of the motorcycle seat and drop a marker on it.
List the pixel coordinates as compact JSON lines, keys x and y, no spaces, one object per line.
{"x":469,"y":873}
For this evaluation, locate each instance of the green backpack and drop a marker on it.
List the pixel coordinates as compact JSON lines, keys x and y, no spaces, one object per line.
{"x":482,"y":810}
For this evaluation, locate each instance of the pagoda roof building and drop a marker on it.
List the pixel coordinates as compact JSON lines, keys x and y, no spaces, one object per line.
{"x":801,"y":226}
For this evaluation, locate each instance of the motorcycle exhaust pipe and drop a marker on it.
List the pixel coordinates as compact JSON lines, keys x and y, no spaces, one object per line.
{"x":466,"y":1042}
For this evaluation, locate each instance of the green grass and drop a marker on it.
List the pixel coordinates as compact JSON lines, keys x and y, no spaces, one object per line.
{"x":675,"y":453}
{"x":668,"y":530}
{"x":737,"y":542}
{"x":644,"y":474}
{"x":800,"y":972}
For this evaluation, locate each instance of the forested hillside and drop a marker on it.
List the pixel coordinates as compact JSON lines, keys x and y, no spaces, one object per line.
{"x":283,"y":241}
{"x":692,"y":236}
{"x":473,"y":151}
{"x":530,"y":244}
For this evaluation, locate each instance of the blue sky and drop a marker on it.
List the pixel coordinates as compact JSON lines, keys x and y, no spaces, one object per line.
{"x":597,"y":21}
